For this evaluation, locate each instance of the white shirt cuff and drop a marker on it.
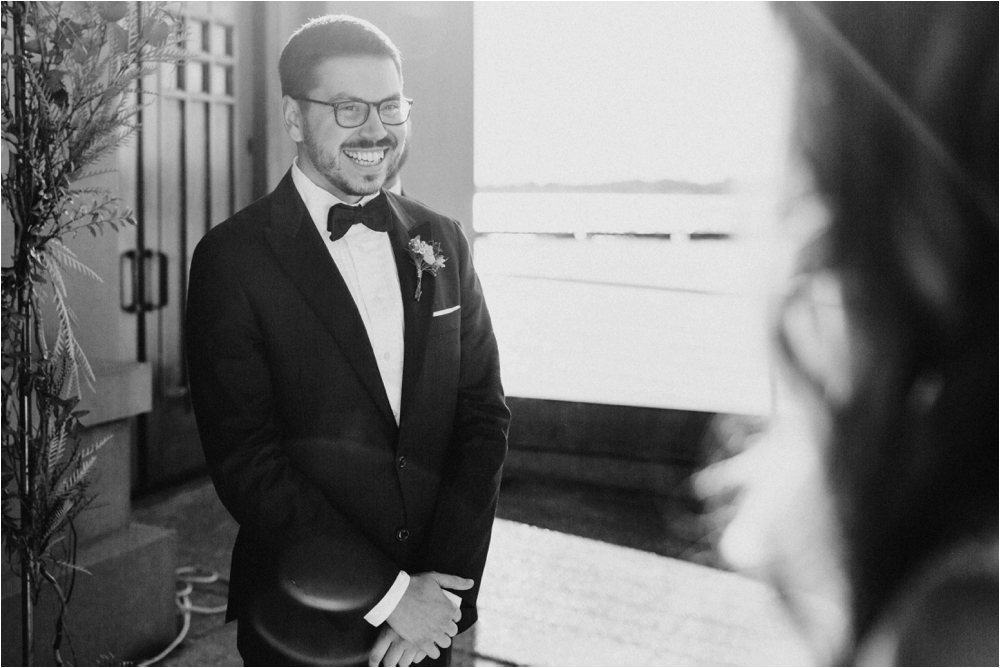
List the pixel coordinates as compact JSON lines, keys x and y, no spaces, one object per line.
{"x":377,"y":615}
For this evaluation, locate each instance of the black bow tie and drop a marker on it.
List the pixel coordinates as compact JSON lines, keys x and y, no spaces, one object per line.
{"x":374,"y":216}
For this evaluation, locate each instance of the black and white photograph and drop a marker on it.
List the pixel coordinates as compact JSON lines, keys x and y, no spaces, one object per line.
{"x":500,"y":333}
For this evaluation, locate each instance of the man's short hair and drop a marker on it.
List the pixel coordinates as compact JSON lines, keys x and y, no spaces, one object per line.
{"x":331,"y":36}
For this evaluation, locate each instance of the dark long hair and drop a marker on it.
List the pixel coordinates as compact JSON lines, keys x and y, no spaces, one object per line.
{"x":897,"y":122}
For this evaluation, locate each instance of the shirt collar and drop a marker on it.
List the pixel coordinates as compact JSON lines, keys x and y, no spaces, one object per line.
{"x":318,"y":200}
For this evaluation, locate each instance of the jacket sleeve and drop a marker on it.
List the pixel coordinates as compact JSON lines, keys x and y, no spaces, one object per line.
{"x":463,"y":520}
{"x":241,"y":433}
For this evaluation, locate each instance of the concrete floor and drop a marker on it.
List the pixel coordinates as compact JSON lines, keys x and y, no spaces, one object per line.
{"x":567,"y":583}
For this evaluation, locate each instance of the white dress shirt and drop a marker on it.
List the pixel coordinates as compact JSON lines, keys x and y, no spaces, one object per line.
{"x":365,"y":260}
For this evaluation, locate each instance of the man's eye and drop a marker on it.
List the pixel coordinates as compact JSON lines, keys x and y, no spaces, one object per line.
{"x":349,"y":107}
{"x":390,"y":107}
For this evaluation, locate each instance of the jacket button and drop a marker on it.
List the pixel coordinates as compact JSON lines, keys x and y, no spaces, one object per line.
{"x":401,"y":461}
{"x":402,"y":534}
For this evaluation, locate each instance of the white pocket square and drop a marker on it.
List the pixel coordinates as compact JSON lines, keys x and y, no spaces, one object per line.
{"x":446,"y":311}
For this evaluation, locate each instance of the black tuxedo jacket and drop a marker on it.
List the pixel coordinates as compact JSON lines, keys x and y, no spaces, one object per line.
{"x":293,"y":416}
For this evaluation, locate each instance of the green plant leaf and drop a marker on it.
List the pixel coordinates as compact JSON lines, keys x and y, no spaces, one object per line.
{"x":80,"y":69}
{"x":79,"y":54}
{"x":111,"y":12}
{"x":157,"y":33}
{"x":78,"y":568}
{"x":117,"y":38}
{"x":54,"y":80}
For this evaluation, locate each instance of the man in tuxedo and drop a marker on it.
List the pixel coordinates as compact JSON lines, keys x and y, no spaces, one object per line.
{"x":345,"y":386}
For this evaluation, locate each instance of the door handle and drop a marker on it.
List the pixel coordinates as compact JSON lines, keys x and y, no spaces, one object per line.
{"x":154,"y":267}
{"x":141,"y":275}
{"x":128,"y":278}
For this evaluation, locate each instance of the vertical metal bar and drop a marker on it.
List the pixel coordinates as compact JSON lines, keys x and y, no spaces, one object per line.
{"x":26,"y":483}
{"x":140,"y":215}
{"x":142,"y":427}
{"x":231,"y":151}
{"x":182,"y":254}
{"x":208,"y":166}
{"x":260,"y":72}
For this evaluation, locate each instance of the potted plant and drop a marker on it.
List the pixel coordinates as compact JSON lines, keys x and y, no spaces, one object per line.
{"x":71,"y":73}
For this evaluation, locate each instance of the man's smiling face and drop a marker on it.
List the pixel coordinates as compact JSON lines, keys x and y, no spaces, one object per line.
{"x":350,"y":162}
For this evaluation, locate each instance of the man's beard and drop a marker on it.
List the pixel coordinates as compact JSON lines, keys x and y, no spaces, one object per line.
{"x":398,"y":162}
{"x":330,"y":165}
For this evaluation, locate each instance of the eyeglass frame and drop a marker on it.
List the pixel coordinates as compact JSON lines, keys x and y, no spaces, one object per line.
{"x":368,"y":109}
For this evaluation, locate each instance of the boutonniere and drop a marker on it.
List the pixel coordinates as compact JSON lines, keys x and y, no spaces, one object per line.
{"x":426,"y":257}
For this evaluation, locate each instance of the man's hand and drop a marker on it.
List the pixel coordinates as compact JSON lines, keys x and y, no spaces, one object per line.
{"x":391,"y":650}
{"x":424,"y":616}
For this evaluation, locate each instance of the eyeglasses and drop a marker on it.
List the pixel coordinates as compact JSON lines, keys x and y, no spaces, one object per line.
{"x":354,"y":113}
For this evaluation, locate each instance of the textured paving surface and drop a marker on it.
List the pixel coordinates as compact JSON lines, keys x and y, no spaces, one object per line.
{"x":205,"y":537}
{"x":549,"y":597}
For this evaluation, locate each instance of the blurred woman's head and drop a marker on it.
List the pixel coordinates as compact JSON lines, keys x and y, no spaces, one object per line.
{"x":890,"y":334}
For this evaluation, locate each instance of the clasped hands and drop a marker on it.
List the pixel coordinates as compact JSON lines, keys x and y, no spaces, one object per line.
{"x":424,"y":620}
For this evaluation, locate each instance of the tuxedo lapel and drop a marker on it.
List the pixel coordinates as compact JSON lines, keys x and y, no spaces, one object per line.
{"x":416,"y":314}
{"x":303,"y":257}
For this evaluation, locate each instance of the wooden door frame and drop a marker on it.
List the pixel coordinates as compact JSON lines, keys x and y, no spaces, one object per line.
{"x":247,"y":151}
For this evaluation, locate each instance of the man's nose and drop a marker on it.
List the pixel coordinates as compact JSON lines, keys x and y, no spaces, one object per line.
{"x":373,"y":128}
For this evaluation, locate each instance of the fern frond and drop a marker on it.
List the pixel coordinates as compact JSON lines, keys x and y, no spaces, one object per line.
{"x":43,"y":344}
{"x":54,"y":524}
{"x":78,"y":192}
{"x":74,"y":479}
{"x":72,"y":566}
{"x":94,"y":173}
{"x":57,"y":448}
{"x":83,"y":364}
{"x":67,"y":258}
{"x":91,"y":450}
{"x":66,"y":342}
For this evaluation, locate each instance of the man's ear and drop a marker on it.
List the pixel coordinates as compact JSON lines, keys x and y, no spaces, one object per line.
{"x":291,"y":116}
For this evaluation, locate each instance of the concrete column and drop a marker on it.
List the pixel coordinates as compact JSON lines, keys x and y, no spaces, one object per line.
{"x":123,"y":606}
